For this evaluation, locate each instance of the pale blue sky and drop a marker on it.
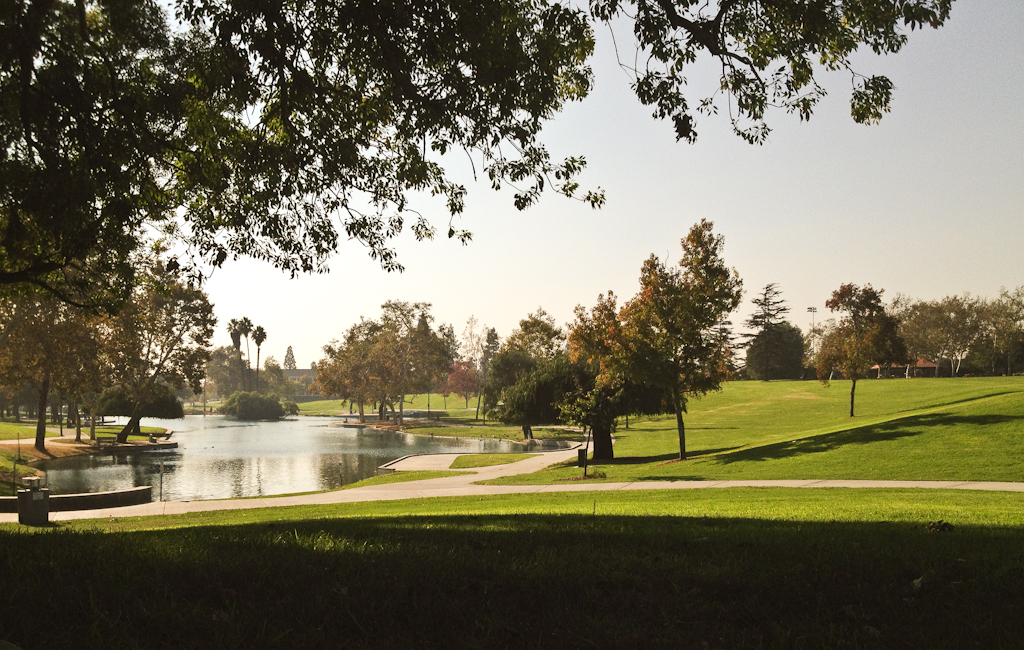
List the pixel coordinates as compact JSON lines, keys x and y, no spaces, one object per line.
{"x":928,"y":203}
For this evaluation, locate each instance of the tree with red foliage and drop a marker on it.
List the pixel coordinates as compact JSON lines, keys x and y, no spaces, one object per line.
{"x":464,"y":380}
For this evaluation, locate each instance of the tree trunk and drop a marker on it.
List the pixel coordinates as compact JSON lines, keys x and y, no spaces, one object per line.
{"x":853,"y":387}
{"x":382,"y":414}
{"x":92,"y":421}
{"x":677,"y":405}
{"x":401,"y":410}
{"x":602,"y":437}
{"x":241,"y":371}
{"x":78,"y":419}
{"x":257,"y":368}
{"x":362,"y":416}
{"x":44,"y":394}
{"x":130,"y":429}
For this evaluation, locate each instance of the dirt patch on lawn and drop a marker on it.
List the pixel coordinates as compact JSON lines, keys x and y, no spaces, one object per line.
{"x":55,"y":448}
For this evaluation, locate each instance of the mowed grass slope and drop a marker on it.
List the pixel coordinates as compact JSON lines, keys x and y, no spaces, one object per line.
{"x":946,"y":429}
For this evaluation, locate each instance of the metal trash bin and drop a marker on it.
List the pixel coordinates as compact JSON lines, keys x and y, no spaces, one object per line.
{"x":581,"y":457}
{"x":34,"y":504}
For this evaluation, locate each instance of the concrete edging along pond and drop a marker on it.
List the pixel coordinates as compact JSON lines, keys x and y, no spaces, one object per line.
{"x":89,"y":501}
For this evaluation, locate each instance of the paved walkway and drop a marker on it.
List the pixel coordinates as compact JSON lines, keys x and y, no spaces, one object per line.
{"x":456,"y":486}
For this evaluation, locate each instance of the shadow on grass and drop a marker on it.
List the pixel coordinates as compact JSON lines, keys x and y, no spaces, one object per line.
{"x":884,"y":431}
{"x":461,"y":581}
{"x":661,"y":458}
{"x":967,"y":400}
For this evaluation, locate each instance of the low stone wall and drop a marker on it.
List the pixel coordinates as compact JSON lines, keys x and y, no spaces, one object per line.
{"x":88,"y":501}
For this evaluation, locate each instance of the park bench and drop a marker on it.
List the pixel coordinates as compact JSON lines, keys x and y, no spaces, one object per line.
{"x":110,"y":440}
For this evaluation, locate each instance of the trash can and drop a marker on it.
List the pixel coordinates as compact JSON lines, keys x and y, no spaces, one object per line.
{"x":581,"y":457}
{"x":34,"y":504}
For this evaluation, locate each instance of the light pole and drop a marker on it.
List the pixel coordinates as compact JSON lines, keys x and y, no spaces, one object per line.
{"x":812,"y":311}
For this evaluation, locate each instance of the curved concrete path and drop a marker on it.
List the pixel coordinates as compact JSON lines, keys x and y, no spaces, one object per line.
{"x":456,"y":486}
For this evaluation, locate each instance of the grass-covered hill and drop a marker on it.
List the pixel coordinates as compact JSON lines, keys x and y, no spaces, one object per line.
{"x":953,"y":429}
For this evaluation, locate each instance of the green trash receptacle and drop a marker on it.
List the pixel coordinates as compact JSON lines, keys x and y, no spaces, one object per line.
{"x":581,"y":457}
{"x":34,"y":504}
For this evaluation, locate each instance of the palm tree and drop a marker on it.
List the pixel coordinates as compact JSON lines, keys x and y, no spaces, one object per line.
{"x":259,"y":335}
{"x":234,"y":329}
{"x":245,"y":327}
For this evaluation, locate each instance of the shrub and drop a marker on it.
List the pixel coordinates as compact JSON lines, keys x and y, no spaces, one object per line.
{"x":160,"y":402}
{"x":290,"y":408}
{"x":253,"y":406}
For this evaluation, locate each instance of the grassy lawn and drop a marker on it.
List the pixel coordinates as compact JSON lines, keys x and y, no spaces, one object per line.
{"x":740,"y":568}
{"x":402,"y":477}
{"x":27,"y":430}
{"x":960,"y":429}
{"x":412,"y":403}
{"x":486,"y":460}
{"x":324,"y":407}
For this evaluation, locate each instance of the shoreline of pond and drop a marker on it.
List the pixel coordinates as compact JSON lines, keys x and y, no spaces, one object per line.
{"x":63,"y":446}
{"x":220,"y":457}
{"x":67,"y":447}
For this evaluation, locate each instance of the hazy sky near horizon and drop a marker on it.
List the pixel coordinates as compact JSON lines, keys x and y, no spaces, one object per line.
{"x":930,"y":202}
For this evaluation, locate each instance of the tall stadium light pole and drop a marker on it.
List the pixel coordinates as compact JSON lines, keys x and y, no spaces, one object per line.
{"x":812,"y":311}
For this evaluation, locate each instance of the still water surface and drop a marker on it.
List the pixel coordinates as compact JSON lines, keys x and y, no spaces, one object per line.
{"x":219,"y":458}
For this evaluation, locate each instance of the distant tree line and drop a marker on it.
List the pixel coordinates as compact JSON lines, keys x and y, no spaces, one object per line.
{"x":379,"y":362}
{"x":948,"y":337}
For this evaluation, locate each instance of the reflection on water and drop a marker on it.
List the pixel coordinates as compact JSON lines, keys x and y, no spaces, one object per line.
{"x":218,"y":458}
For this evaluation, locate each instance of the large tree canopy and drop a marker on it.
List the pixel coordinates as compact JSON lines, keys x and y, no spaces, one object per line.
{"x":768,"y":51}
{"x":269,"y":128}
{"x":272,"y":129}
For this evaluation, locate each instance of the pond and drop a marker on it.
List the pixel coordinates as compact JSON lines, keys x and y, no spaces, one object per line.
{"x":220,"y":458}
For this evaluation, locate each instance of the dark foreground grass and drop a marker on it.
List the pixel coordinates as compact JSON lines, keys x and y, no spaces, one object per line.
{"x":763,"y":569}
